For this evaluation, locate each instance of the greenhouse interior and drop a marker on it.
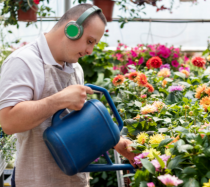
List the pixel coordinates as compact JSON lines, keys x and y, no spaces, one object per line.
{"x":105,"y":93}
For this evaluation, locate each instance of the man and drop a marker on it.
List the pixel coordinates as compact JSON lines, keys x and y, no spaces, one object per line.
{"x":36,"y":81}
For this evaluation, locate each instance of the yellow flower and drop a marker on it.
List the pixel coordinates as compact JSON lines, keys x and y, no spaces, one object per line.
{"x":164,"y":83}
{"x":142,"y":137}
{"x":151,"y":151}
{"x":167,"y":152}
{"x":165,"y":72}
{"x":206,"y":184}
{"x":148,"y":109}
{"x":156,"y":139}
{"x":205,"y":102}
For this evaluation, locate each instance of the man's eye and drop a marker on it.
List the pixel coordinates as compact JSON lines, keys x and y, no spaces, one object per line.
{"x":90,"y":42}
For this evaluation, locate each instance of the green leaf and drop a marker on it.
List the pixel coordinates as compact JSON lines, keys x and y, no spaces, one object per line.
{"x":157,"y":119}
{"x":179,"y":74}
{"x":175,"y":162}
{"x":168,"y":80}
{"x":148,"y":165}
{"x":129,"y":175}
{"x":165,"y":142}
{"x":189,"y":171}
{"x":137,"y":103}
{"x":190,"y":136}
{"x":184,"y":148}
{"x":171,"y":97}
{"x":180,"y":129}
{"x":161,"y":130}
{"x":187,"y":85}
{"x":207,"y":151}
{"x":208,"y":174}
{"x":192,"y":183}
{"x":162,"y":164}
{"x":143,"y":184}
{"x":204,"y":180}
{"x":190,"y":94}
{"x":104,"y":175}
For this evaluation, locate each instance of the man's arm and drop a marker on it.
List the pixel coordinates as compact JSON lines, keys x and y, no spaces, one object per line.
{"x":29,"y":114}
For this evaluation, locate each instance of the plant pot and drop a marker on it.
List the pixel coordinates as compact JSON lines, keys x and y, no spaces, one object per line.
{"x":29,"y":15}
{"x":106,"y":6}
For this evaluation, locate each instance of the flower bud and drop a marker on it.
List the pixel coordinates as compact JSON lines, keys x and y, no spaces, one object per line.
{"x":122,"y":110}
{"x":192,"y":141}
{"x":150,"y":119}
{"x":186,"y":107}
{"x":191,"y":113}
{"x":144,"y":96}
{"x":208,"y":58}
{"x":145,"y":117}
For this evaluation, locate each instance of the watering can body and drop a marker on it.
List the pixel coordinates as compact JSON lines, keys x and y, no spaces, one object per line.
{"x":80,"y":137}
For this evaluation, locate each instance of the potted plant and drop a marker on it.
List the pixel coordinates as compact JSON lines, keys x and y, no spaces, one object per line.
{"x":24,"y":10}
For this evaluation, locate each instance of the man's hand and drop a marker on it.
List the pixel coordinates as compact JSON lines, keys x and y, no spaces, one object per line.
{"x":73,"y":97}
{"x":125,"y":150}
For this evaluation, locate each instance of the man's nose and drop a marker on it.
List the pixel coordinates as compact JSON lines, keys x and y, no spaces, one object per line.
{"x":89,"y":50}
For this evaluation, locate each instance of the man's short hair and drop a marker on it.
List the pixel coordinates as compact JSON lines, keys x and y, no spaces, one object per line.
{"x":75,"y":12}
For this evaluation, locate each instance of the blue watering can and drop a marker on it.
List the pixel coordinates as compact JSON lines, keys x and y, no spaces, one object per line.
{"x":80,"y":137}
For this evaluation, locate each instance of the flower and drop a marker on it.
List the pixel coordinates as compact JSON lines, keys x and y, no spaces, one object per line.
{"x":138,"y":158}
{"x":156,"y":139}
{"x":159,"y":105}
{"x":187,"y":74}
{"x":151,"y":151}
{"x":169,"y":180}
{"x":141,"y":60}
{"x":155,"y":62}
{"x":175,"y":63}
{"x":36,"y":2}
{"x":164,"y":83}
{"x":141,"y":79}
{"x":206,"y":184}
{"x":137,"y":117}
{"x":174,"y":140}
{"x":200,"y":90}
{"x":175,"y":88}
{"x":142,"y":137}
{"x":118,"y":80}
{"x":144,"y":96}
{"x":167,"y":152}
{"x":184,"y":68}
{"x":156,"y":164}
{"x":148,"y":64}
{"x":165,"y":66}
{"x":205,"y":102}
{"x":165,"y":72}
{"x":199,"y":62}
{"x":148,"y":109}
{"x":150,"y":87}
{"x":208,"y":58}
{"x":150,"y":184}
{"x":207,"y":91}
{"x":133,"y":75}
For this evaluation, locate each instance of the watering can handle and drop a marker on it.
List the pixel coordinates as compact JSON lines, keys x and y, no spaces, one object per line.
{"x":109,"y":100}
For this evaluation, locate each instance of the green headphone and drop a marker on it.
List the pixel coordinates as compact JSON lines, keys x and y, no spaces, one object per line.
{"x":74,"y":29}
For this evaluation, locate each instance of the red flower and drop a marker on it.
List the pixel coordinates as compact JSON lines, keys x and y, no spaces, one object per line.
{"x":155,"y":62}
{"x":107,"y":30}
{"x":118,"y":80}
{"x":148,"y":64}
{"x":141,"y":79}
{"x":36,"y":2}
{"x":150,"y":87}
{"x":199,"y":62}
{"x":133,"y":75}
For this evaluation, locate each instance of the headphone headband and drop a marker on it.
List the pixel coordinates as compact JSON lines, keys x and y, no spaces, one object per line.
{"x":86,"y":14}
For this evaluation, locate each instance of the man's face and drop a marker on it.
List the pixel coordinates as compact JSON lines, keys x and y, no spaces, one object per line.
{"x":74,"y":49}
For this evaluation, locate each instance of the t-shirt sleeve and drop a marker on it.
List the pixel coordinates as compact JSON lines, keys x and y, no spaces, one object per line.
{"x":16,"y":83}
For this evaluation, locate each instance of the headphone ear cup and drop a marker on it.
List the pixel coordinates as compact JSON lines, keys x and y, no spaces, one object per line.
{"x":81,"y":32}
{"x":73,"y":31}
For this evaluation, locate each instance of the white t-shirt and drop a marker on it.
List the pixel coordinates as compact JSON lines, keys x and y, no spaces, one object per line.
{"x":22,"y":73}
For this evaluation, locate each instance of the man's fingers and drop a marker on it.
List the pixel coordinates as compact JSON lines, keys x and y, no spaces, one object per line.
{"x":89,"y":90}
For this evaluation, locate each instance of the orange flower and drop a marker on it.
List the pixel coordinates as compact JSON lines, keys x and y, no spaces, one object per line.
{"x":141,"y":79}
{"x":132,"y":76}
{"x":148,"y":64}
{"x":207,"y":91}
{"x":150,"y":87}
{"x":164,"y":83}
{"x":185,"y":72}
{"x":175,"y":140}
{"x":159,"y":105}
{"x":165,"y":72}
{"x":137,"y":117}
{"x":205,"y":102}
{"x":199,"y":62}
{"x":199,"y":90}
{"x":119,"y":79}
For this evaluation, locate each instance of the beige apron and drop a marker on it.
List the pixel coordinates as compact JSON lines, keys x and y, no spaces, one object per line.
{"x":35,"y":166}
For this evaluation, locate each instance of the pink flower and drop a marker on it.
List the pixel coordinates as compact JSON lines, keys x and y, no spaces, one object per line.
{"x":127,"y":75}
{"x":152,"y":53}
{"x":185,"y":59}
{"x":144,"y":96}
{"x":138,"y":158}
{"x":118,"y":48}
{"x":133,"y":53}
{"x":120,"y":44}
{"x":130,"y":62}
{"x":169,"y":180}
{"x":141,"y":60}
{"x":140,"y":45}
{"x":119,"y":56}
{"x":156,"y":164}
{"x":36,"y":2}
{"x":175,"y":63}
{"x":150,"y":184}
{"x":184,"y":68}
{"x":124,"y":69}
{"x":176,"y":55}
{"x":125,"y":46}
